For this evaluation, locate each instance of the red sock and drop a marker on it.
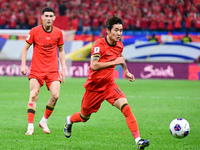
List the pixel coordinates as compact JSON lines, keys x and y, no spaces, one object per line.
{"x":48,"y":111}
{"x":76,"y":118}
{"x":130,"y":120}
{"x":136,"y":134}
{"x":30,"y":115}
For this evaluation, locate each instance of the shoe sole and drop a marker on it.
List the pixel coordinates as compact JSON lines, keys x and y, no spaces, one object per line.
{"x":48,"y":132}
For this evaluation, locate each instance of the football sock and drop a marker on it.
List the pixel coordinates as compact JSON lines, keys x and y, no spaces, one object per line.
{"x":30,"y":125}
{"x":137,"y":139}
{"x":43,"y":119}
{"x":30,"y":115}
{"x":130,"y":120}
{"x":78,"y":118}
{"x":48,"y":112}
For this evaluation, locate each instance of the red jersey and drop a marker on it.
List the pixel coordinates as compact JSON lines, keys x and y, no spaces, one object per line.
{"x":101,"y":79}
{"x":45,"y":53}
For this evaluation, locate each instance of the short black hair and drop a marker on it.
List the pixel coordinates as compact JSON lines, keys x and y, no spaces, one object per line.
{"x":112,"y":21}
{"x":48,"y":9}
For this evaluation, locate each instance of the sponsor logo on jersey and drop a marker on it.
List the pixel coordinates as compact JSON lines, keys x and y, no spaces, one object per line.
{"x":48,"y":38}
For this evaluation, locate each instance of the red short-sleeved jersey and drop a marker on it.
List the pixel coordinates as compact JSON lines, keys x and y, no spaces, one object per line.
{"x":99,"y":80}
{"x":45,"y":52}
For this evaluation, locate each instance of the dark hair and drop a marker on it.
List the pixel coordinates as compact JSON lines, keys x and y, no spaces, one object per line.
{"x":112,"y":21}
{"x":48,"y":9}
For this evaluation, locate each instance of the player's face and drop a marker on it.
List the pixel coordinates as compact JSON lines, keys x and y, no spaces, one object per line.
{"x":48,"y":18}
{"x":115,"y":33}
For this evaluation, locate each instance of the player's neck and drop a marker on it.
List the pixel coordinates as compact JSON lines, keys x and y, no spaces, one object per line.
{"x":110,"y":42}
{"x":47,"y":28}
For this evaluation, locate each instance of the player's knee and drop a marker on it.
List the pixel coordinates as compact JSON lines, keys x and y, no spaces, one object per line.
{"x":34,"y":94}
{"x":55,"y":95}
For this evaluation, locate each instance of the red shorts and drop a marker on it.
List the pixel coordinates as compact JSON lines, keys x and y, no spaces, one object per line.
{"x":48,"y":77}
{"x":92,"y":100}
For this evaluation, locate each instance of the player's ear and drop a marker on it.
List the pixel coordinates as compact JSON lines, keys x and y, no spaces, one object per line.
{"x":107,"y":31}
{"x":54,"y":18}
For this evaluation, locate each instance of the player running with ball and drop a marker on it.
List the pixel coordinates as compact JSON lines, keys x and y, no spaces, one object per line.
{"x":105,"y":55}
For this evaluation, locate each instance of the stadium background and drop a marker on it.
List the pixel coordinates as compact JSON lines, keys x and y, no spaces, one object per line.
{"x":155,"y":102}
{"x":83,"y":22}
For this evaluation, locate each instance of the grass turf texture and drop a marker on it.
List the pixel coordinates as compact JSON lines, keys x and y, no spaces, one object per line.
{"x":155,"y":103}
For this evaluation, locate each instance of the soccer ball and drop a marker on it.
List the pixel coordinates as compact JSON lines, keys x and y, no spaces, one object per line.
{"x":179,"y":128}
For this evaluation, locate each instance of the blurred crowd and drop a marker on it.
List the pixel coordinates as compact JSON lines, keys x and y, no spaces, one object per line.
{"x":87,"y":15}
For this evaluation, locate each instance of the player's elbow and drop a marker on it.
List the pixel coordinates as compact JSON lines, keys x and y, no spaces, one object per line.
{"x":94,"y":68}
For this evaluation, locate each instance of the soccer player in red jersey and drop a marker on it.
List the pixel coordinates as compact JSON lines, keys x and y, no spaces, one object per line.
{"x":105,"y":55}
{"x":45,"y":38}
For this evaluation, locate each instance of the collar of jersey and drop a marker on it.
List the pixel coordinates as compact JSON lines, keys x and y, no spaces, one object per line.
{"x":47,"y":31}
{"x":110,"y":44}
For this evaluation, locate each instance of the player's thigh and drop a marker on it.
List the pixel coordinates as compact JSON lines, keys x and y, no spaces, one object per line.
{"x":91,"y":102}
{"x":39,"y":76}
{"x":53,"y":80}
{"x":34,"y":90}
{"x":115,"y":96}
{"x":34,"y":84}
{"x":55,"y":88}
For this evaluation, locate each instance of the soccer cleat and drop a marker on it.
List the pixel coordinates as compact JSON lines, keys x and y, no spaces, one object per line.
{"x":30,"y":131}
{"x":142,"y":144}
{"x":68,"y":127}
{"x":44,"y":126}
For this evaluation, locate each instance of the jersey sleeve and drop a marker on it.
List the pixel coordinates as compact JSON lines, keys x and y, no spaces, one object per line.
{"x":60,"y":41}
{"x":97,"y":50}
{"x":30,"y":37}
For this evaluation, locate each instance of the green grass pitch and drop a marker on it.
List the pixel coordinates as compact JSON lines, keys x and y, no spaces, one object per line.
{"x":155,"y":103}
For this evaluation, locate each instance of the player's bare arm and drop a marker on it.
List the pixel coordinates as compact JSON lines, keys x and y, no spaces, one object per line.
{"x":24,"y":69}
{"x":96,"y":65}
{"x":126,"y":71}
{"x":62,"y":61}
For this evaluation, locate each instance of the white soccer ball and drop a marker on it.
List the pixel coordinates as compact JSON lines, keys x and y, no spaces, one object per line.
{"x":179,"y":128}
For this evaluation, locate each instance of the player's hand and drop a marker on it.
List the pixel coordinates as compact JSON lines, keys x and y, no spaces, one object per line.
{"x":62,"y":73}
{"x":130,"y":76}
{"x":24,"y":70}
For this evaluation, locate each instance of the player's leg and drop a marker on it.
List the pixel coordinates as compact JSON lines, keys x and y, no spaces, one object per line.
{"x":123,"y":105}
{"x":79,"y":117}
{"x":75,"y":118}
{"x":34,"y":90}
{"x":90,"y":103}
{"x":117,"y":98}
{"x":54,"y":90}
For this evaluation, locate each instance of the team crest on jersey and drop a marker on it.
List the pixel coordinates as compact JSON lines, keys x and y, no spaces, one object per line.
{"x":96,"y":49}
